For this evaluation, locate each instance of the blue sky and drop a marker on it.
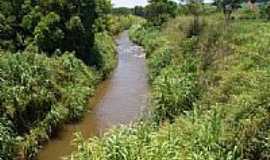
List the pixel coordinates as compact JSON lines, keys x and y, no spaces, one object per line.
{"x":132,"y":3}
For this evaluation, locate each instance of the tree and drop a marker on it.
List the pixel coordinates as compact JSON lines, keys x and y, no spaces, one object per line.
{"x":194,"y":8}
{"x":66,"y":25}
{"x":12,"y":11}
{"x":48,"y":34}
{"x":218,"y":4}
{"x":139,"y":11}
{"x":159,"y":11}
{"x":103,"y":9}
{"x":265,"y":10}
{"x":122,"y":11}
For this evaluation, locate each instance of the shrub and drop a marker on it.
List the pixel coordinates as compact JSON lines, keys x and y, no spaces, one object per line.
{"x":174,"y":92}
{"x":148,"y":37}
{"x":47,"y":33}
{"x":38,"y":94}
{"x":247,"y":13}
{"x":7,"y":140}
{"x":120,"y":143}
{"x":116,"y":24}
{"x":105,"y":53}
{"x":160,"y":59}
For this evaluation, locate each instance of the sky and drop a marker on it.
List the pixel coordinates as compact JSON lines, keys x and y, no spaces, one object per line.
{"x":132,"y":3}
{"x":129,"y":3}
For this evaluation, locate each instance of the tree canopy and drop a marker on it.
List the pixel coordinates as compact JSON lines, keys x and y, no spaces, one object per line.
{"x":51,"y":25}
{"x":159,"y":11}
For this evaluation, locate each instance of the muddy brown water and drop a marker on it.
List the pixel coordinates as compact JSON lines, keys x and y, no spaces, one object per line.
{"x":118,"y":100}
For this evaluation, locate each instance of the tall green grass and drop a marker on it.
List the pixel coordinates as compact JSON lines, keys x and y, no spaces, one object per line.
{"x":38,"y":94}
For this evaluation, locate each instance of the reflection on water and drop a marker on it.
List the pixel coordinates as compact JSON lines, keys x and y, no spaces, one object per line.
{"x":119,"y":100}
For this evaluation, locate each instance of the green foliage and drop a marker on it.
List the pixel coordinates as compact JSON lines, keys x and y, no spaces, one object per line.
{"x":103,"y":9}
{"x":171,"y":95}
{"x":105,"y":53}
{"x":190,"y":137}
{"x":120,"y":144}
{"x":30,"y":21}
{"x":265,"y":11}
{"x":194,"y":6}
{"x":229,"y":119}
{"x":116,"y":24}
{"x":5,"y":32}
{"x":159,"y":60}
{"x":148,"y":37}
{"x":51,"y":25}
{"x":47,"y":35}
{"x":7,"y":141}
{"x":122,"y":11}
{"x":174,"y":92}
{"x":159,"y":11}
{"x":246,"y":13}
{"x":139,"y":11}
{"x":242,"y":88}
{"x":38,"y":94}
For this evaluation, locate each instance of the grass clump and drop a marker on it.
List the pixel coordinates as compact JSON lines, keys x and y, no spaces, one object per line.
{"x":173,"y":92}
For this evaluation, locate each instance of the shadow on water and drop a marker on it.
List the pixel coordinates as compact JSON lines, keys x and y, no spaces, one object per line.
{"x":118,"y":100}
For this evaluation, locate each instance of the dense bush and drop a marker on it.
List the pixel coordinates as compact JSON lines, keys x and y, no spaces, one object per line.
{"x":159,"y":60}
{"x":48,"y":35}
{"x":122,"y":11}
{"x":148,"y":37}
{"x":51,"y":25}
{"x":38,"y":94}
{"x":174,"y":92}
{"x":105,"y":53}
{"x":122,"y":143}
{"x":7,"y":140}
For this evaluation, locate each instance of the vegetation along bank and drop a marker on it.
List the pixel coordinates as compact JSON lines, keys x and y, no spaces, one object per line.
{"x":52,"y":56}
{"x":210,"y":89}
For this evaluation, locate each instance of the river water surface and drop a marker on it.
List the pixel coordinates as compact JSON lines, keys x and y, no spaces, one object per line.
{"x":118,"y":100}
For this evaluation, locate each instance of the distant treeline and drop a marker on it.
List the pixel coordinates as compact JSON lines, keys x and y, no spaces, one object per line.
{"x":159,"y":11}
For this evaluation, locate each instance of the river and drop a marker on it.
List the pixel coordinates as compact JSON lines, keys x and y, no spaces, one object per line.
{"x":119,"y":100}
